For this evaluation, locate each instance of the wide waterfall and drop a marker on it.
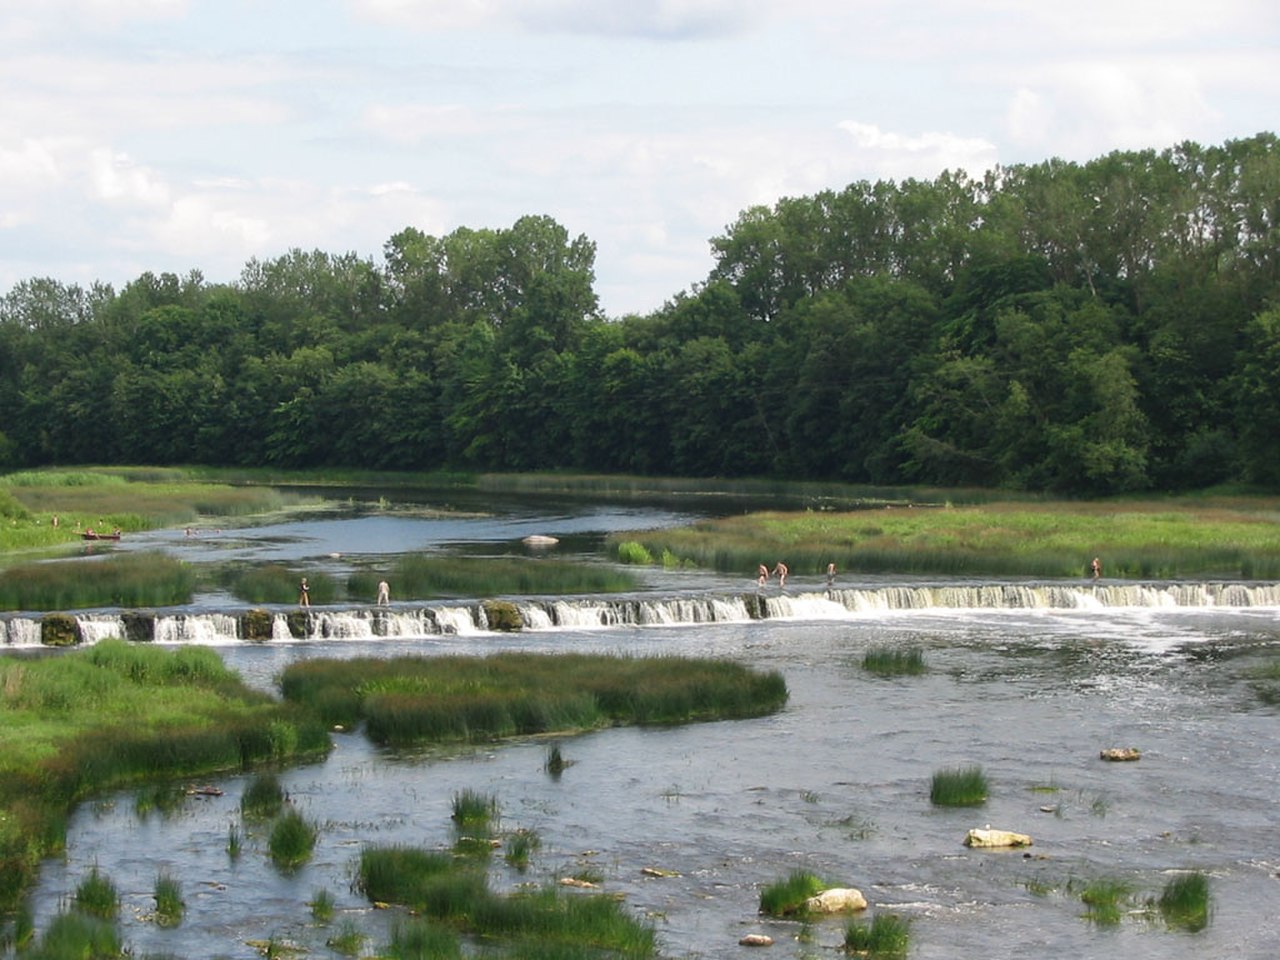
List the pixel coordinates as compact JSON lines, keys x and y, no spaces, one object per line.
{"x":408,"y":621}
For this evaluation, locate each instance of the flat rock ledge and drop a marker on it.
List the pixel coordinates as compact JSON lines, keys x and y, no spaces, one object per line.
{"x":987,"y":837}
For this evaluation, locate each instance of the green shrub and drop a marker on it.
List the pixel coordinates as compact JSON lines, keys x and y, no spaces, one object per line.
{"x":413,"y":939}
{"x":959,"y":787}
{"x":632,"y":551}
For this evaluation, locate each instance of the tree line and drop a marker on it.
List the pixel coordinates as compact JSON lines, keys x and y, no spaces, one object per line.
{"x":1083,"y":329}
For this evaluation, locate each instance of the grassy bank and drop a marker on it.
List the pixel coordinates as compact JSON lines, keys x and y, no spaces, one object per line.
{"x":411,"y":700}
{"x":125,"y":498}
{"x":115,"y":714}
{"x":1135,"y":539}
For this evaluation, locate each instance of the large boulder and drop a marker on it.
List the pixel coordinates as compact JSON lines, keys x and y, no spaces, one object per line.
{"x":987,"y":837}
{"x":836,"y":900}
{"x":60,"y":630}
{"x":503,"y":615}
{"x":1121,"y":754}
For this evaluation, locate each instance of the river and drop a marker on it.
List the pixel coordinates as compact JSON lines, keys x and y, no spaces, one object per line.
{"x":836,"y":783}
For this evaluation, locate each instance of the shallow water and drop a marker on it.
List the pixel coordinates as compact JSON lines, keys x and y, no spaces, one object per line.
{"x":837,"y":783}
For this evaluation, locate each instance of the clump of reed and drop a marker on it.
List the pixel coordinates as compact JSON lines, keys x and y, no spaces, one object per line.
{"x":234,"y":842}
{"x":786,"y":898}
{"x":322,"y":906}
{"x":1184,"y":902}
{"x":293,"y":838}
{"x":1105,"y":899}
{"x":959,"y":787}
{"x":275,"y":583}
{"x":473,"y":810}
{"x":97,"y":896}
{"x":428,"y":882}
{"x":125,"y":580}
{"x":556,"y":763}
{"x":414,"y":700}
{"x":894,"y":662}
{"x":263,"y":798}
{"x":169,"y":903}
{"x":520,"y":846}
{"x":421,"y":577}
{"x":887,"y":935}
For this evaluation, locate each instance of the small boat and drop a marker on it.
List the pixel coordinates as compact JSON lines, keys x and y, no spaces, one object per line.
{"x":90,"y":535}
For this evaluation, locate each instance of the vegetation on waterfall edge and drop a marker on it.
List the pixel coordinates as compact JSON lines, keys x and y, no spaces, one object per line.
{"x":411,"y":700}
{"x":1152,"y":538}
{"x":117,"y":714}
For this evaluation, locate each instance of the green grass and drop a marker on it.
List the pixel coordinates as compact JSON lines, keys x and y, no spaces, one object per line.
{"x":1184,"y":902}
{"x":273,"y":583}
{"x":894,"y":662}
{"x":321,"y":906}
{"x":1174,"y":537}
{"x":115,"y":715}
{"x":786,"y":898}
{"x":416,"y":939}
{"x":97,"y":896}
{"x":887,"y":935}
{"x":76,"y":936}
{"x":127,"y":580}
{"x":427,"y":577}
{"x":169,"y":903}
{"x":292,"y":840}
{"x":1106,"y":899}
{"x":348,"y":939}
{"x":958,"y":787}
{"x":410,"y":700}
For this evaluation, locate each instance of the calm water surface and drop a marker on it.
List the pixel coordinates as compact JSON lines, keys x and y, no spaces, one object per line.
{"x":837,"y":783}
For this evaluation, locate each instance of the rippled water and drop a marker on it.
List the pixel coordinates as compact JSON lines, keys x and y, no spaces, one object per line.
{"x":837,"y":783}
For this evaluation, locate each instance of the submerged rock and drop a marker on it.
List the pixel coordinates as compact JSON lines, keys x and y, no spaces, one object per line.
{"x":987,"y":837}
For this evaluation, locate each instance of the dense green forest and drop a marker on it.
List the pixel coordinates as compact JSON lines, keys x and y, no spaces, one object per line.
{"x":1079,"y":328}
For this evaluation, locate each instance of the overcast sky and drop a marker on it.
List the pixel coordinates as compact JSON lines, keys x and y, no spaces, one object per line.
{"x":194,"y":134}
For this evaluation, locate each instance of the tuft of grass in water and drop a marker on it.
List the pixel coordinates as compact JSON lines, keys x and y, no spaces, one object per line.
{"x":893,"y":662}
{"x":786,"y":897}
{"x":348,"y":939}
{"x":97,"y":896}
{"x":887,"y":935}
{"x":411,"y":700}
{"x":473,"y":810}
{"x":263,"y":798}
{"x":292,"y":840}
{"x":556,"y":764}
{"x":169,"y":903}
{"x":165,"y":799}
{"x":959,"y":787}
{"x":1105,"y":899}
{"x":322,"y":906}
{"x":1184,"y":902}
{"x":520,"y":845}
{"x":234,"y":842}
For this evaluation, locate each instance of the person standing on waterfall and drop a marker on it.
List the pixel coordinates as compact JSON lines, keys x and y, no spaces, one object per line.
{"x":384,"y":593}
{"x":762,"y":575}
{"x":304,"y":594}
{"x":1096,"y":568}
{"x":781,"y":570}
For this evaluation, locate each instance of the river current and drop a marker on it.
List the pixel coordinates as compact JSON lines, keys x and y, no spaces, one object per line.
{"x":687,"y":825}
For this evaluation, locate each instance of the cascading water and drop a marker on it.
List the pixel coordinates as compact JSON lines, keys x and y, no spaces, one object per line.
{"x":407,"y":622}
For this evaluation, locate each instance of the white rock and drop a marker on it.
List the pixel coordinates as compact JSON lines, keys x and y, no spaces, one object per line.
{"x":836,"y":900}
{"x":987,"y":837}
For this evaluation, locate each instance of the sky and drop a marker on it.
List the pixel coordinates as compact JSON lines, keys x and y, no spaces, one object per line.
{"x":179,"y":135}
